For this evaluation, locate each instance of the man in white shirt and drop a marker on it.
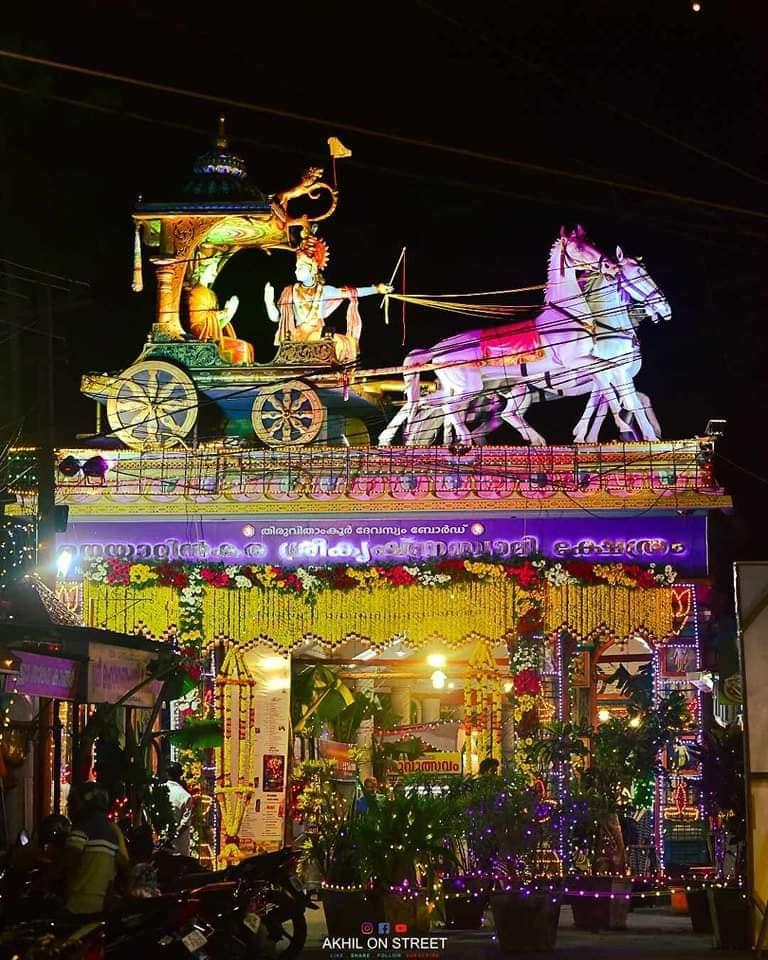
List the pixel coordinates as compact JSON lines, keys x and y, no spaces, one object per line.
{"x":181,"y":801}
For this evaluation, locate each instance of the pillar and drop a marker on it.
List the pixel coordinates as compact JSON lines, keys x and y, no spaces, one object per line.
{"x":401,"y":700}
{"x":507,"y":731}
{"x":430,"y":709}
{"x":365,"y":733}
{"x":167,"y":322}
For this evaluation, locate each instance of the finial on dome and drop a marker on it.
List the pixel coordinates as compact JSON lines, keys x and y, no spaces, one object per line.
{"x":221,"y":140}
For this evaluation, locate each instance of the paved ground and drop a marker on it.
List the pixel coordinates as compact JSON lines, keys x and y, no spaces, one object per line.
{"x":650,"y":933}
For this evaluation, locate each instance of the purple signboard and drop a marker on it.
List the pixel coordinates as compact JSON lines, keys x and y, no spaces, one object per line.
{"x":308,"y":541}
{"x":43,"y":676}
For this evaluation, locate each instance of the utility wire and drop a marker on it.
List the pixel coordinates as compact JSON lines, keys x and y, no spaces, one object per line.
{"x":44,"y":273}
{"x":467,"y":26}
{"x":390,"y":137}
{"x":672,"y":226}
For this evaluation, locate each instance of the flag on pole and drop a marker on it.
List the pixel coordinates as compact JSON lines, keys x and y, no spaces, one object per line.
{"x":337,"y":148}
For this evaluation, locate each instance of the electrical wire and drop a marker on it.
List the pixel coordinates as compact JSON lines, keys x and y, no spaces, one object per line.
{"x":390,"y":137}
{"x":466,"y":26}
{"x":674,"y":226}
{"x":587,"y":370}
{"x":45,"y":273}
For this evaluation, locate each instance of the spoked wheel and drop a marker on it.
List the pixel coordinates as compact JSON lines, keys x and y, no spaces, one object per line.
{"x":287,"y":413}
{"x":153,"y":404}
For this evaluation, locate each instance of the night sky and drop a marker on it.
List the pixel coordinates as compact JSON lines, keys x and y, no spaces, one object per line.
{"x":647,"y":93}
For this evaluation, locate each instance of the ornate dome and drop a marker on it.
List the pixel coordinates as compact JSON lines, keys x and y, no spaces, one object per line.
{"x":220,"y":175}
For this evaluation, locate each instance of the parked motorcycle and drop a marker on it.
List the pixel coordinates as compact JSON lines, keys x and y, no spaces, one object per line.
{"x":167,"y":927}
{"x":266,"y":901}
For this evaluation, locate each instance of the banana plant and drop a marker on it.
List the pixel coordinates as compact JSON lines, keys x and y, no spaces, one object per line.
{"x":318,"y":696}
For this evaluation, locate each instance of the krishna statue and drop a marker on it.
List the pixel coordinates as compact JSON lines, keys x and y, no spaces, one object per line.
{"x":303,"y":307}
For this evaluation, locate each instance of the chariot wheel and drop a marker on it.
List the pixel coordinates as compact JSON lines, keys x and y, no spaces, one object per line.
{"x":153,"y":404}
{"x":287,"y":413}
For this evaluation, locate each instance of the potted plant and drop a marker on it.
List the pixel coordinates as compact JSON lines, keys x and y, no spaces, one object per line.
{"x":722,"y":759}
{"x":401,"y":842}
{"x":622,"y":764}
{"x":467,"y":882}
{"x":329,"y":848}
{"x":513,"y":836}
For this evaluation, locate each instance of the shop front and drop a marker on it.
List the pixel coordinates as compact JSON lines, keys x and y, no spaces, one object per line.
{"x":493,"y":619}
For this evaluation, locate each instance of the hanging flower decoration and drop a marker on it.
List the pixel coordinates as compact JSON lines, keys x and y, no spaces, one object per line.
{"x":534,"y":579}
{"x":528,"y":574}
{"x":526,"y":693}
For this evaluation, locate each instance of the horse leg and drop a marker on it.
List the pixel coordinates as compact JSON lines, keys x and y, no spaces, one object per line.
{"x":633,"y":405}
{"x":600,"y":414}
{"x":645,"y":401}
{"x":594,"y":403}
{"x":457,"y":385}
{"x":387,"y":435}
{"x":412,"y":378}
{"x":613,"y":394}
{"x":518,"y":401}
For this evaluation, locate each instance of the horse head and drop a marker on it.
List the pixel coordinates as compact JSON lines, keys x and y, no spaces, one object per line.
{"x":570,"y":257}
{"x":636,"y":285}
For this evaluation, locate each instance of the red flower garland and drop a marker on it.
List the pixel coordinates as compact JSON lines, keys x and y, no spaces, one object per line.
{"x":527,"y":681}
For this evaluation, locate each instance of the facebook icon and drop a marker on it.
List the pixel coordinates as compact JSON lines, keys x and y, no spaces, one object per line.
{"x":384,"y":928}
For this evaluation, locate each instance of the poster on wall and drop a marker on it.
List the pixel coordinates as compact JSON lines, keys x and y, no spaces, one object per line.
{"x":342,"y":756}
{"x":263,"y":826}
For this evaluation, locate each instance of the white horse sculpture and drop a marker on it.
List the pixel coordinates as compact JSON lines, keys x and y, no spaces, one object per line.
{"x":578,"y":351}
{"x":610,"y":299}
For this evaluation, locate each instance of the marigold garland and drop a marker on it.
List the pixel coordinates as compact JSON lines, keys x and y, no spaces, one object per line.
{"x":528,"y":596}
{"x":234,"y":788}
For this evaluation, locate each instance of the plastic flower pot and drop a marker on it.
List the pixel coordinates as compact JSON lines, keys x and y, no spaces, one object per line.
{"x":731,"y":918}
{"x":698,"y":911}
{"x":346,"y":910}
{"x":599,"y":903}
{"x":526,"y":922}
{"x":466,"y":900}
{"x":405,"y":908}
{"x":679,"y":901}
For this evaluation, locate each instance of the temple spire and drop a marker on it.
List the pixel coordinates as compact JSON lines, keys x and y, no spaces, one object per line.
{"x":221,"y":140}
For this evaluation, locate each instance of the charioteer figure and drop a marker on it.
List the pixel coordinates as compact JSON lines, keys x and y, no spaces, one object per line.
{"x":207,"y":322}
{"x":304,"y":306}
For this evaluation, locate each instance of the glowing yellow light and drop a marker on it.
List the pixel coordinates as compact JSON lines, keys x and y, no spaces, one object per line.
{"x":438,"y":679}
{"x":436,"y":660}
{"x":696,"y":6}
{"x":603,"y":715}
{"x":270,"y":664}
{"x":508,"y":686}
{"x":635,"y":722}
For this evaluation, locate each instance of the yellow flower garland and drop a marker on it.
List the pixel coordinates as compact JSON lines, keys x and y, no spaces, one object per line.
{"x":234,"y":790}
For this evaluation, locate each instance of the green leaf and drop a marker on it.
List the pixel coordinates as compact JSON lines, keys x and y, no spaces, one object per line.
{"x":197,"y":734}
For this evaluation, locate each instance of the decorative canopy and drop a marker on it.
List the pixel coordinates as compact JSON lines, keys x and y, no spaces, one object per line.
{"x":220,"y":174}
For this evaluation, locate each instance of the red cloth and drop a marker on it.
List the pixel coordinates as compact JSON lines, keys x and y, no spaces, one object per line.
{"x":513,"y":343}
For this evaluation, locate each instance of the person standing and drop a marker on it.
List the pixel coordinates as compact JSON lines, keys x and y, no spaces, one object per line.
{"x":181,"y":801}
{"x":95,"y":850}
